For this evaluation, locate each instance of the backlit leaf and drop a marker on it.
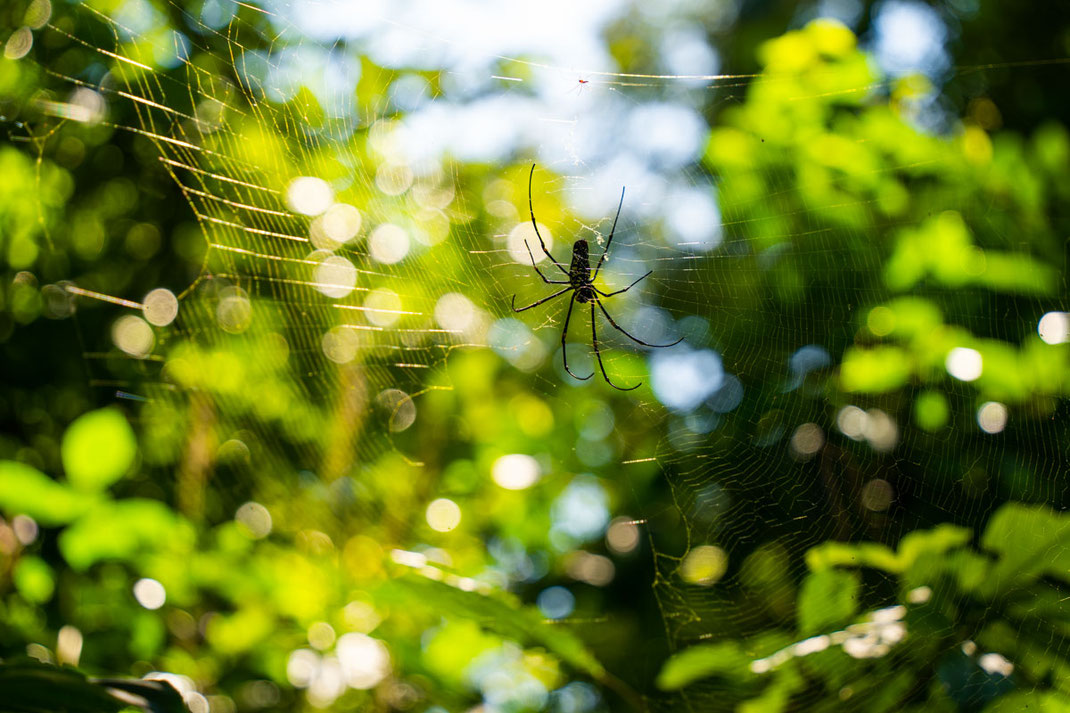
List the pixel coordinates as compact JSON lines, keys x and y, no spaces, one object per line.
{"x":98,"y":449}
{"x":27,"y":491}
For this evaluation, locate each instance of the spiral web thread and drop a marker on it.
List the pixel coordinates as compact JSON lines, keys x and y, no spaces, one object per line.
{"x":261,"y":284}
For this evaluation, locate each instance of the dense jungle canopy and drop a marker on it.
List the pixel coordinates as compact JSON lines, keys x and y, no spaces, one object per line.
{"x":281,"y":432}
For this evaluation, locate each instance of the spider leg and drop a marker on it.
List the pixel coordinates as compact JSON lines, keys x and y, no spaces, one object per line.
{"x":531,"y":210}
{"x":621,"y":330}
{"x":610,"y":294}
{"x":564,"y":333}
{"x":610,"y":241}
{"x":598,"y":354}
{"x":539,"y":302}
{"x":549,"y":282}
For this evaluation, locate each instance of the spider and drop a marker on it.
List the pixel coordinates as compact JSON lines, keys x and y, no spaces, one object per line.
{"x":580,"y":283}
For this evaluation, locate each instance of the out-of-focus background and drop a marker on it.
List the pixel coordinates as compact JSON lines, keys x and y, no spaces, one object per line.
{"x":273,"y":433}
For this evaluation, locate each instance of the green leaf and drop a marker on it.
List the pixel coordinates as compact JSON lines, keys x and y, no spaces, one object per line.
{"x":875,"y":370}
{"x":827,"y":599}
{"x":725,"y":658}
{"x":121,"y":530}
{"x":503,"y":616}
{"x":921,"y":548}
{"x":838,"y":554}
{"x":147,"y":634}
{"x":1031,"y":701}
{"x":34,"y":579}
{"x":452,"y":648}
{"x":27,"y":491}
{"x":931,"y":411}
{"x":98,"y":449}
{"x":233,"y":634}
{"x":33,"y":687}
{"x":158,"y":696}
{"x":1031,"y":541}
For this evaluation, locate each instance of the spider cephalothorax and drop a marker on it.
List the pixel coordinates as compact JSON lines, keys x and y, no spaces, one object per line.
{"x":580,"y":283}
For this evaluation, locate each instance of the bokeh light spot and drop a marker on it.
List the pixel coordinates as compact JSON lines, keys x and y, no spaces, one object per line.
{"x":309,"y":196}
{"x":393,"y":179}
{"x":388,"y":244}
{"x":807,"y":440}
{"x":160,"y":307}
{"x":515,"y":471}
{"x":338,"y":226}
{"x":995,"y":664}
{"x":69,"y":645}
{"x":880,"y":430}
{"x":382,"y":307}
{"x":234,"y":311}
{"x":335,"y":276}
{"x":622,"y":536}
{"x":38,"y":13}
{"x":581,"y":511}
{"x":522,"y":232}
{"x":254,"y":519}
{"x":149,"y":593}
{"x":365,"y":661}
{"x":683,"y":378}
{"x":18,"y":44}
{"x":512,"y":340}
{"x":399,"y":406}
{"x":964,"y":364}
{"x":881,"y":321}
{"x":992,"y":417}
{"x":704,"y":565}
{"x":25,"y":528}
{"x":443,"y":515}
{"x":133,"y":335}
{"x":340,"y":345}
{"x":1054,"y":327}
{"x":361,"y":616}
{"x":851,"y":421}
{"x":301,"y":667}
{"x":877,"y":495}
{"x":321,"y":635}
{"x":454,"y":312}
{"x":596,"y":570}
{"x":555,"y":602}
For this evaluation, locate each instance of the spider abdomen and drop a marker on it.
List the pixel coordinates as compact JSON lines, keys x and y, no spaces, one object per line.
{"x":579,"y":271}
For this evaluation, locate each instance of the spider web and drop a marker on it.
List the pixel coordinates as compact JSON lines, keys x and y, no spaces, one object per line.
{"x":775,"y":292}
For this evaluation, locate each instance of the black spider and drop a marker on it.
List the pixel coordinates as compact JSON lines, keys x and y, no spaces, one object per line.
{"x":581,"y":284}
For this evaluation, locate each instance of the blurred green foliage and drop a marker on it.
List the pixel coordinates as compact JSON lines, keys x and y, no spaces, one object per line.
{"x":947,"y":587}
{"x":259,"y":525}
